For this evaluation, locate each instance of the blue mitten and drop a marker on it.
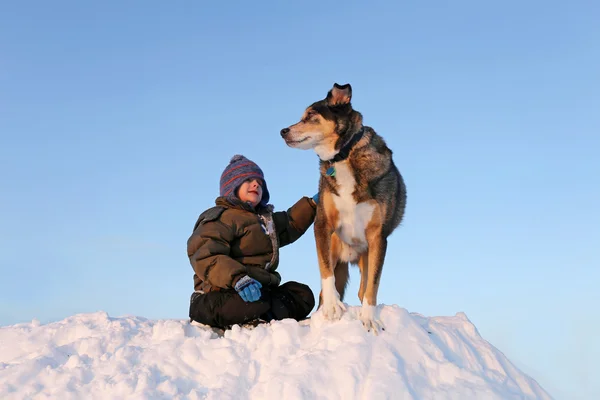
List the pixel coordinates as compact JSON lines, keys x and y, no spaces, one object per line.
{"x":248,"y":288}
{"x":316,"y":197}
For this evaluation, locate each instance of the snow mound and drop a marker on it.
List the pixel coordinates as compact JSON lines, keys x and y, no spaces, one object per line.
{"x":94,"y":356}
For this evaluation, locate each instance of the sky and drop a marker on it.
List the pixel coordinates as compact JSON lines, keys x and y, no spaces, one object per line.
{"x":116,"y":121}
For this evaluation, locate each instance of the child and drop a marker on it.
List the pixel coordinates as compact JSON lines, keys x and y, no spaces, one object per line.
{"x":234,"y":251}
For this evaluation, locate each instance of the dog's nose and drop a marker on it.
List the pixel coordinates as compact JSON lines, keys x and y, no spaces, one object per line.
{"x":285,"y":131}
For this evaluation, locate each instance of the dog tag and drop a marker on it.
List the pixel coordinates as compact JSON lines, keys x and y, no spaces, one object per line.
{"x":330,"y":171}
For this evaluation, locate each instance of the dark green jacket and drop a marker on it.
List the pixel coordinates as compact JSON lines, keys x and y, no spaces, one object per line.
{"x":229,"y":241}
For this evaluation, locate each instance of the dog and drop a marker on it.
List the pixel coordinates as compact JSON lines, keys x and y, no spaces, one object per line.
{"x":362,"y":198}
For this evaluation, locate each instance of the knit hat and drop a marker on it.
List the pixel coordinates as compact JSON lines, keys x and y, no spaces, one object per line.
{"x":239,"y":170}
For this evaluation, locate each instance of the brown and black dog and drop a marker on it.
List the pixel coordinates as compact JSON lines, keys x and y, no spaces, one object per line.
{"x":362,"y":197}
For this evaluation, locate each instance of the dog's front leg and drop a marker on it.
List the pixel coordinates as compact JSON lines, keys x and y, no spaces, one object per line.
{"x":377,"y":249}
{"x":328,"y":253}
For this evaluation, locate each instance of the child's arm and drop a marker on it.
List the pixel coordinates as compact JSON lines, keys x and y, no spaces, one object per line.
{"x":208,"y":251}
{"x":294,"y":222}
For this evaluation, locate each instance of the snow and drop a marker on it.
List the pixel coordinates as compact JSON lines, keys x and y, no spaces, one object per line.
{"x":94,"y":356}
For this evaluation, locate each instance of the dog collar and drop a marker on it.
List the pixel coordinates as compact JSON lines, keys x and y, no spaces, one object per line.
{"x":344,"y":151}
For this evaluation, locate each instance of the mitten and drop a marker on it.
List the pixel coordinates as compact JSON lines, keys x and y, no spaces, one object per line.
{"x":248,"y":288}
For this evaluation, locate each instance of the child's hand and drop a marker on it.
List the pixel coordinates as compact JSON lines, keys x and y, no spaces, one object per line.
{"x":248,"y":289}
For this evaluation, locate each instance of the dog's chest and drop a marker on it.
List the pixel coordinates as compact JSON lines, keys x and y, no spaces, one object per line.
{"x":353,"y":217}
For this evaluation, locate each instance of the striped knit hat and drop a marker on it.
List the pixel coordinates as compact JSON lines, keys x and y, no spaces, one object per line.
{"x":239,"y":170}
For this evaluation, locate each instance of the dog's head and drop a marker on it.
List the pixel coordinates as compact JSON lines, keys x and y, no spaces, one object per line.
{"x":325,"y":123}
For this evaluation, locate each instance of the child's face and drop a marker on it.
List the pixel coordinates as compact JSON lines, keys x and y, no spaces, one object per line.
{"x":251,"y":192}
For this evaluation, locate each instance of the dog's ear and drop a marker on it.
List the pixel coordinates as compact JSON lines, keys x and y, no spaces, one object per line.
{"x":339,"y":95}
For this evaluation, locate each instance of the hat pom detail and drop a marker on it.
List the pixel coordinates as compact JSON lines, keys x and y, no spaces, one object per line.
{"x":236,"y":158}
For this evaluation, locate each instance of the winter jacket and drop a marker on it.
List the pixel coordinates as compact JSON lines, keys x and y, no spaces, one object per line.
{"x":233,"y":239}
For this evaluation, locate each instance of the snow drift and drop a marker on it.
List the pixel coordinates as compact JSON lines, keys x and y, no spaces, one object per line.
{"x":94,"y":356}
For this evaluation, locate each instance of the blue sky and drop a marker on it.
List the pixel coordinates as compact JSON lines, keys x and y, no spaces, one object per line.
{"x":116,"y":121}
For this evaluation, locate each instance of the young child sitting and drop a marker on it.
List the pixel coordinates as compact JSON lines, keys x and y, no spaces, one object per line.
{"x":234,"y":251}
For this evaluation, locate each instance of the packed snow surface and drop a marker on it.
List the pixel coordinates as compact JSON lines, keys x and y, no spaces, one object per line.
{"x":94,"y":356}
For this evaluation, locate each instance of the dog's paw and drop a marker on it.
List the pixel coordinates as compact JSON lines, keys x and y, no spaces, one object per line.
{"x":369,"y":321}
{"x":333,"y":309}
{"x":373,"y":325}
